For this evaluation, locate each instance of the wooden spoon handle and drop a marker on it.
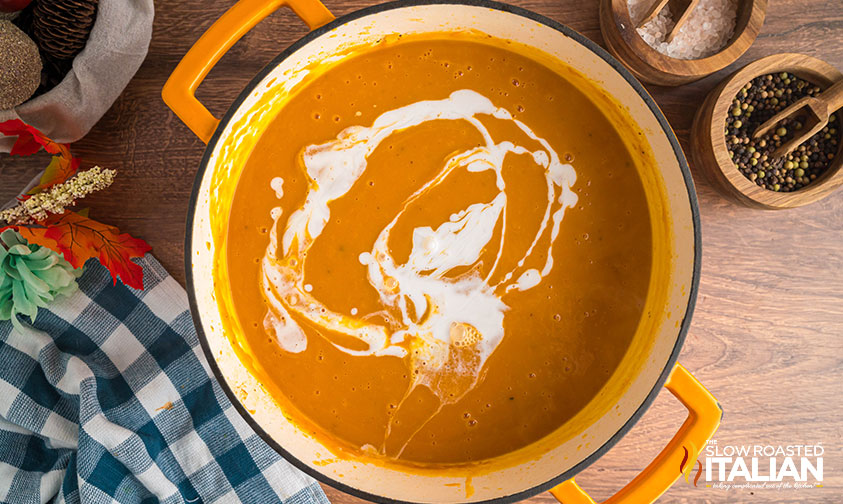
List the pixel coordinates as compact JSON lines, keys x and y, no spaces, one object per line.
{"x":654,"y":10}
{"x":683,"y":18}
{"x":833,"y":97}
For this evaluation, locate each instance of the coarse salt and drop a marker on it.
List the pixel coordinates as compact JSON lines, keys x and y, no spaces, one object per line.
{"x":708,"y":28}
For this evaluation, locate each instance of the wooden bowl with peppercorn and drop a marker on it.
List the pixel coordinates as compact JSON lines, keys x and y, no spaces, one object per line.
{"x":743,"y":167}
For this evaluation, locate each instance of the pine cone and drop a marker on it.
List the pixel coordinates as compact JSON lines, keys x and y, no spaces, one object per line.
{"x":61,"y":27}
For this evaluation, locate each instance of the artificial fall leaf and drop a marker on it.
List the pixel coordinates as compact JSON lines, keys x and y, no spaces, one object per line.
{"x":30,"y":140}
{"x":58,"y":171}
{"x":79,"y":238}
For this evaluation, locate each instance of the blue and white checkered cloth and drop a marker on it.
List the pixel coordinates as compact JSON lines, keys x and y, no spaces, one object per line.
{"x":109,"y":398}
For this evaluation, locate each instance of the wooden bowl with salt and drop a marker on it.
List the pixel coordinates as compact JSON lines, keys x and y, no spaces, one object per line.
{"x":649,"y":65}
{"x":708,"y":139}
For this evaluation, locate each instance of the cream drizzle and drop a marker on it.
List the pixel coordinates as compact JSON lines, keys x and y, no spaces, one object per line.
{"x":446,"y":326}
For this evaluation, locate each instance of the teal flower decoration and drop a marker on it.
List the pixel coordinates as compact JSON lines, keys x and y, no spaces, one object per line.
{"x":31,"y":276}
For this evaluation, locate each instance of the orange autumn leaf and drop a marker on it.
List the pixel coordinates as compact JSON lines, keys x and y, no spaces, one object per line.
{"x":59,"y":170}
{"x":79,"y":238}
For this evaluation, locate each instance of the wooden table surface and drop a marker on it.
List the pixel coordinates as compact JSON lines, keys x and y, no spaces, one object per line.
{"x":767,"y":336}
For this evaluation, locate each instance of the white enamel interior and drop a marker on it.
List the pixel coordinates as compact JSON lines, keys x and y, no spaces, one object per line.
{"x":415,"y":487}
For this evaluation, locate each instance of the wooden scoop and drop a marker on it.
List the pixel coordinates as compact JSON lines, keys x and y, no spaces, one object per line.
{"x":819,"y":109}
{"x":682,"y":7}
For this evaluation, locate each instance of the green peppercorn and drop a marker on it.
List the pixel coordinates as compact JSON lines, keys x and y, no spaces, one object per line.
{"x":799,"y":173}
{"x":737,"y":124}
{"x":761,"y":174}
{"x":781,"y":132}
{"x":736,"y":111}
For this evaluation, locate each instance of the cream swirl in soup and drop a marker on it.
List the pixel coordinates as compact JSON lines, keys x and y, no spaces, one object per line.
{"x":439,"y":311}
{"x":439,"y":250}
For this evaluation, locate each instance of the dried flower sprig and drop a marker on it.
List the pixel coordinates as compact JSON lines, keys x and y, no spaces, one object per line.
{"x":42,"y":217}
{"x":58,"y":198}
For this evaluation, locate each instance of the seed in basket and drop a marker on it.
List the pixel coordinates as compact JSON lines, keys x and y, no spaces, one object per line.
{"x":20,"y":66}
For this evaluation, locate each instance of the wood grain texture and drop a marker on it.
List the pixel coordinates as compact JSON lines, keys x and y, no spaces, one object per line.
{"x":708,"y":143}
{"x":766,"y":337}
{"x":651,"y":66}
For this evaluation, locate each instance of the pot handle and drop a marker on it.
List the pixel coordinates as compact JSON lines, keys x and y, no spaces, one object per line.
{"x":704,"y":414}
{"x":179,"y":92}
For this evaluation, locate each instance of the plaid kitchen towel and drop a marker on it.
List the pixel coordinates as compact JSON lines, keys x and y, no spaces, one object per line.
{"x":109,"y":398}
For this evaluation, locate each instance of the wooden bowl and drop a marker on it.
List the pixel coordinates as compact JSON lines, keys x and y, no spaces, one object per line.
{"x":708,"y":140}
{"x":649,"y":65}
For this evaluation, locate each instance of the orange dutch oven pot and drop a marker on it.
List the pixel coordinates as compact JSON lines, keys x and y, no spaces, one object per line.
{"x":650,"y":363}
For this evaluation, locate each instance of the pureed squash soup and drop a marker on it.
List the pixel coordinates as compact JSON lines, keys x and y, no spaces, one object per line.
{"x":438,"y":251}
